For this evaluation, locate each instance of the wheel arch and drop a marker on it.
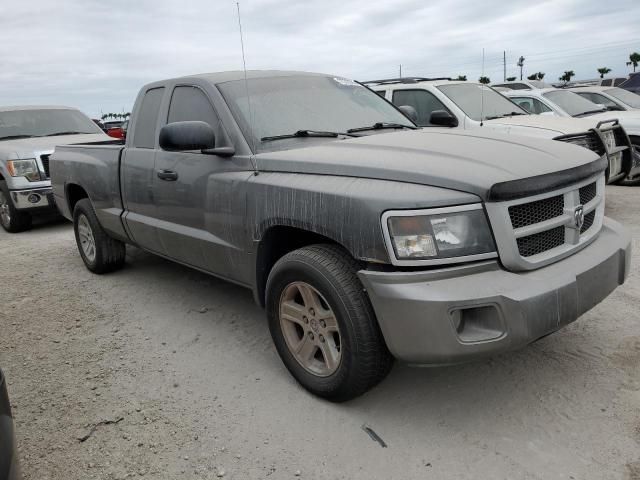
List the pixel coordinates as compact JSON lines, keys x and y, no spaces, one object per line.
{"x":277,"y":241}
{"x":74,"y":193}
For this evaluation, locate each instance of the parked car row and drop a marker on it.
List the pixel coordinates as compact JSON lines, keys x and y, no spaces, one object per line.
{"x":469,"y":105}
{"x":579,"y":103}
{"x":365,"y":237}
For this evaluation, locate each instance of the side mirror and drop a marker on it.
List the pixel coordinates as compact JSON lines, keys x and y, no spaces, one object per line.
{"x":443,"y":118}
{"x":183,"y":136}
{"x":409,"y":112}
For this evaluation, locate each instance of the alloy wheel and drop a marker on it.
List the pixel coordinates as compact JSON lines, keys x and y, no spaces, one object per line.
{"x":87,"y":241}
{"x":310,"y":329}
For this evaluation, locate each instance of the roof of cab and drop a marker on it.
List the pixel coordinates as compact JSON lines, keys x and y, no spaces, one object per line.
{"x":222,"y":77}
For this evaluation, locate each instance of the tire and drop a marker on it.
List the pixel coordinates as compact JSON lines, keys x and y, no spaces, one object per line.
{"x":636,"y":181}
{"x":12,"y":219}
{"x":343,"y":366}
{"x":107,"y":253}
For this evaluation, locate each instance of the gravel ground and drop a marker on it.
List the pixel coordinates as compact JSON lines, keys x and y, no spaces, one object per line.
{"x":167,"y":373}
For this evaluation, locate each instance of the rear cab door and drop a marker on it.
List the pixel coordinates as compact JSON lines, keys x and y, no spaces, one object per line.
{"x":137,"y":170}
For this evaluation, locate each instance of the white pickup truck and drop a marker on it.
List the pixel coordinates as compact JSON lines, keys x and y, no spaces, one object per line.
{"x":28,"y":136}
{"x":468,"y":105}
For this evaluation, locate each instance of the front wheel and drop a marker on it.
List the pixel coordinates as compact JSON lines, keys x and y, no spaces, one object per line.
{"x":12,"y":219}
{"x":100,"y":252}
{"x":323,"y":325}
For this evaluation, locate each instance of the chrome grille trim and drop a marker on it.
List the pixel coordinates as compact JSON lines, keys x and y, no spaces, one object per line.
{"x":534,"y":245}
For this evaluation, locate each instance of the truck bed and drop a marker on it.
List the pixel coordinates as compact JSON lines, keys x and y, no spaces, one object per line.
{"x":93,"y":168}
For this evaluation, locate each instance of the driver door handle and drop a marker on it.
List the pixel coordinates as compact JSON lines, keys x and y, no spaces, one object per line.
{"x":167,"y":175}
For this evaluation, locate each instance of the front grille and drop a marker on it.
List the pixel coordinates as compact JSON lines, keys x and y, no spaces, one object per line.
{"x":543,"y":229}
{"x":588,"y":221}
{"x":588,"y":140}
{"x":587,"y":193}
{"x":541,"y":242}
{"x":536,"y":212}
{"x":45,"y":164}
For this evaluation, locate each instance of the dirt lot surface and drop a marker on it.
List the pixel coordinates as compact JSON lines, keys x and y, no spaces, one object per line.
{"x":181,"y":367}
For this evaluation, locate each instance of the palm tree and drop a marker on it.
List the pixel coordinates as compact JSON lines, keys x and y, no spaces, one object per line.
{"x":511,"y":79}
{"x":484,"y":80}
{"x":566,"y":76}
{"x":536,"y":76}
{"x":634,"y":60}
{"x":104,"y":116}
{"x":603,"y":71}
{"x":462,"y":78}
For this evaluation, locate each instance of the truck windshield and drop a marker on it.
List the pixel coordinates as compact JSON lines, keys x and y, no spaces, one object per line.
{"x":469,"y":97}
{"x":572,"y":103}
{"x":625,"y":96}
{"x":287,"y":104}
{"x":44,"y":123}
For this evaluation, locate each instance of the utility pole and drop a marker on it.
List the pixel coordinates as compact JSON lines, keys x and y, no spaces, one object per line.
{"x":504,"y":65}
{"x":400,"y":70}
{"x":521,"y":64}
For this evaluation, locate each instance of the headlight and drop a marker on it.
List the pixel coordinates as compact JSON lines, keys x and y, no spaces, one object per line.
{"x":24,"y":168}
{"x":439,"y":235}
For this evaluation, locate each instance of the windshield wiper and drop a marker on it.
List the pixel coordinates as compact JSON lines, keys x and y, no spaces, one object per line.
{"x":381,"y":126}
{"x":308,"y":133}
{"x":15,"y":137}
{"x":512,"y":114}
{"x":65,"y":133}
{"x":589,"y":112}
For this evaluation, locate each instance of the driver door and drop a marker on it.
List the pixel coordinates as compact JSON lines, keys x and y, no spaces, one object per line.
{"x":199,"y":197}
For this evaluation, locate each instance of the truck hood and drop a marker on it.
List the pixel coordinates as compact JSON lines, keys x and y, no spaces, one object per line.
{"x":465,"y":161}
{"x":28,"y":147}
{"x":547,"y":126}
{"x":630,"y":120}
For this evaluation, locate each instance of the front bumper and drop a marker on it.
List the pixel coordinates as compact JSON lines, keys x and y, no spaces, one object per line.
{"x":37,"y":198}
{"x":467,"y":312}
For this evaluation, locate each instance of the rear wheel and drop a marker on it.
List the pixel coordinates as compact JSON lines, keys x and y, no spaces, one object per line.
{"x":100,"y":252}
{"x":323,"y":325}
{"x":12,"y":219}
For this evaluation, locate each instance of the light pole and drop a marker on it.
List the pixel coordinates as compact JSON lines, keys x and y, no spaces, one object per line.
{"x":521,"y":64}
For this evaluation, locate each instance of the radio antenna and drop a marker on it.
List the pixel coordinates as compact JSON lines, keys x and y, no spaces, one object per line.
{"x":246,"y":86}
{"x":482,"y":93}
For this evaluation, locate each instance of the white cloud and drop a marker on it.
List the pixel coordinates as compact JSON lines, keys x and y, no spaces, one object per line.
{"x":96,"y":55}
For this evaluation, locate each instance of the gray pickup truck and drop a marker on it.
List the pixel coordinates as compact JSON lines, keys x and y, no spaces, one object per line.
{"x":364,"y":240}
{"x":28,"y":135}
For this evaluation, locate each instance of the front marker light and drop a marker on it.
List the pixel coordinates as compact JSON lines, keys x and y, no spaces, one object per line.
{"x":437,"y":234}
{"x":24,"y":168}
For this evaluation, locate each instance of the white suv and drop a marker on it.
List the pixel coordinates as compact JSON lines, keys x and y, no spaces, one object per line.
{"x":468,"y":105}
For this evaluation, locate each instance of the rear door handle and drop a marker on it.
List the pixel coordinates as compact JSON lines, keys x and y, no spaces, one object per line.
{"x":168,"y":175}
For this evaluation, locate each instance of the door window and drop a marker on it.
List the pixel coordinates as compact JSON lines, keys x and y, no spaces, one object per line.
{"x":190,"y":103}
{"x":425,"y":103}
{"x":147,"y":121}
{"x":531,"y":105}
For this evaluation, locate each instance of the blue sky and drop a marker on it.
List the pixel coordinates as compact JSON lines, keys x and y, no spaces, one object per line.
{"x":95,"y":55}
